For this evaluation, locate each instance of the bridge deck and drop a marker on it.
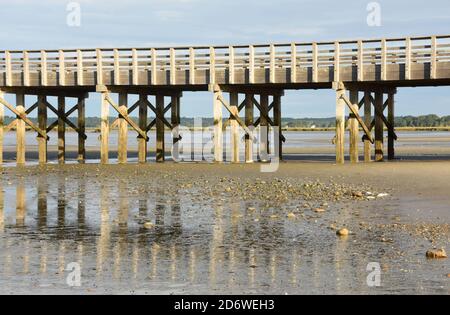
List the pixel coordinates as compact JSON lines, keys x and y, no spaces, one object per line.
{"x":401,"y":61}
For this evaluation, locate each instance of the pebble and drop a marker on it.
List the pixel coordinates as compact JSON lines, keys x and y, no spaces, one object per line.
{"x":382,"y":195}
{"x":291,"y":215}
{"x":319,"y":210}
{"x":357,"y":194}
{"x":436,"y":254}
{"x":149,"y":225}
{"x":343,"y":232}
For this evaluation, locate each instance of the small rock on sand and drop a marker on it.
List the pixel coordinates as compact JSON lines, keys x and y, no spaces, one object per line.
{"x":343,"y":232}
{"x":291,"y":215}
{"x":357,"y":194}
{"x":149,"y":225}
{"x":436,"y":254}
{"x":319,"y":210}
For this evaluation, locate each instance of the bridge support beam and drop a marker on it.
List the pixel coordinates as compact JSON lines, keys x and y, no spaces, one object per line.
{"x":354,"y":127}
{"x":234,"y":104}
{"x":104,"y":129}
{"x":249,"y":124}
{"x":2,"y":123}
{"x":160,"y":143}
{"x":42,"y":121}
{"x":20,"y":130}
{"x":176,"y":121}
{"x":379,"y":127}
{"x":391,"y":120}
{"x":81,"y":129}
{"x":61,"y":130}
{"x":264,"y":128}
{"x":340,"y":122}
{"x":122,"y":147}
{"x":367,"y":121}
{"x":142,"y":142}
{"x":277,"y":122}
{"x":218,"y":125}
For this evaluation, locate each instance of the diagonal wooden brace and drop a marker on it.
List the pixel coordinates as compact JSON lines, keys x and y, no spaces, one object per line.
{"x":65,"y":119}
{"x":269,"y":120}
{"x":385,"y":121}
{"x":42,"y":133}
{"x":142,"y":133}
{"x":168,"y":124}
{"x":236,"y":117}
{"x":358,"y":118}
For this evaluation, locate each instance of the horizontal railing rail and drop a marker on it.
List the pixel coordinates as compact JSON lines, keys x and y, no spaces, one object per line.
{"x":294,"y":56}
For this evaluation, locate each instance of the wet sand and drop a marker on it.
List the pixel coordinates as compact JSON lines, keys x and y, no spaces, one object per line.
{"x":225,"y":229}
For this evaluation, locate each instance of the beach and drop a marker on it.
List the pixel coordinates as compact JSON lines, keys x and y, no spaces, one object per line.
{"x":225,"y":229}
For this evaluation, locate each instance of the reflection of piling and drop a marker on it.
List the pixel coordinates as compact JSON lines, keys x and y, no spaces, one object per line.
{"x":20,"y":203}
{"x":42,"y":201}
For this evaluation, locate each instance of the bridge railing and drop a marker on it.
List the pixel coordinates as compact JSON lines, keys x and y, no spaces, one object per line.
{"x":231,"y":59}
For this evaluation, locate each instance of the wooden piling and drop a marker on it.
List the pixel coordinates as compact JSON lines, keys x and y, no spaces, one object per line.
{"x":61,"y":129}
{"x":104,"y":147}
{"x":142,"y":142}
{"x":379,"y":153}
{"x":160,"y":144}
{"x":354,"y":127}
{"x":264,"y":128}
{"x":42,"y":121}
{"x":249,"y":123}
{"x":20,"y":130}
{"x":123,"y":129}
{"x":340,"y":124}
{"x":82,"y":129}
{"x":2,"y":123}
{"x":277,"y":122}
{"x":391,"y":120}
{"x":218,"y":134}
{"x":368,"y":122}
{"x":175,"y":120}
{"x":234,"y":100}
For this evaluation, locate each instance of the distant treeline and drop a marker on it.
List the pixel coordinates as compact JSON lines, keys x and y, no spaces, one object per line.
{"x":401,"y":121}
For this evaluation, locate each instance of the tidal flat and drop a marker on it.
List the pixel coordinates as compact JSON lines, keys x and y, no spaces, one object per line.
{"x":224,"y":229}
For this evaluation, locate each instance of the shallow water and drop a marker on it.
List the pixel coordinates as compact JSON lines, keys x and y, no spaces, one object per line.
{"x":199,"y":244}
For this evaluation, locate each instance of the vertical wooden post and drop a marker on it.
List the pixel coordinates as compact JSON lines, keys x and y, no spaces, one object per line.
{"x":26,"y":69}
{"x":408,"y":58}
{"x":99,"y":67}
{"x":116,"y":67}
{"x":61,"y":68}
{"x":379,"y":154}
{"x":231,"y":58}
{"x":368,"y":122}
{"x":154,"y":66}
{"x":391,"y":120}
{"x":160,"y":145}
{"x":337,"y":61}
{"x":264,"y":129}
{"x":249,"y":124}
{"x":191,"y":65}
{"x":354,"y":128}
{"x":272,"y":64}
{"x":43,"y":67}
{"x":80,"y":68}
{"x":61,"y":129}
{"x":218,"y":135}
{"x":433,"y":66}
{"x":212,"y":65}
{"x":123,"y":129}
{"x":293,"y":63}
{"x":104,"y":147}
{"x":42,"y":121}
{"x":315,"y":63}
{"x":142,"y":143}
{"x":135,"y":71}
{"x":251,"y":64}
{"x":2,"y":123}
{"x":234,"y":100}
{"x":277,"y":122}
{"x":175,"y":120}
{"x":383,"y":60}
{"x":8,"y":66}
{"x":340,"y":124}
{"x":20,"y":130}
{"x":173,"y":67}
{"x":82,"y":129}
{"x":360,"y":60}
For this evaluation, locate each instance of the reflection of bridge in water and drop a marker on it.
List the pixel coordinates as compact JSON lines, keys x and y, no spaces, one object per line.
{"x":226,"y":250}
{"x":375,"y":68}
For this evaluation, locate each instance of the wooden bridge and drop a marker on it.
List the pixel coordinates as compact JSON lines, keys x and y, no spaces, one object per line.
{"x":375,"y":68}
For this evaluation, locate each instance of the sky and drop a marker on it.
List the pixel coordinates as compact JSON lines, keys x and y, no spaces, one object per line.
{"x":31,"y":24}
